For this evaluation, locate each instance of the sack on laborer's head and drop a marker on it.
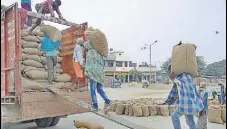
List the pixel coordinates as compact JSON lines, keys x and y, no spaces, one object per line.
{"x":214,"y":114}
{"x":52,"y":32}
{"x":184,"y":59}
{"x":99,"y":42}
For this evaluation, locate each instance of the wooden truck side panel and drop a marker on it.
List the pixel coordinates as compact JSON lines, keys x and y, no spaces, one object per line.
{"x":47,"y":104}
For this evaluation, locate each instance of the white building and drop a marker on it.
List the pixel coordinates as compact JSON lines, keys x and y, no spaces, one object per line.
{"x":117,"y":63}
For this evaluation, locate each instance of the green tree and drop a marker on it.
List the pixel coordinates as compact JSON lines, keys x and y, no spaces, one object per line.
{"x":201,"y":64}
{"x":216,"y":69}
{"x":137,"y":75}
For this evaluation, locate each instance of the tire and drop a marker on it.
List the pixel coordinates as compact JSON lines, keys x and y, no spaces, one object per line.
{"x":44,"y":122}
{"x":55,"y":121}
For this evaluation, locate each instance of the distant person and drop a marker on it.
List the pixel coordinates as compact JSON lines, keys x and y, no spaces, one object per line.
{"x":47,"y":7}
{"x":78,"y":60}
{"x":185,"y":95}
{"x":26,"y":4}
{"x":202,"y":115}
{"x":94,"y":70}
{"x":222,"y":97}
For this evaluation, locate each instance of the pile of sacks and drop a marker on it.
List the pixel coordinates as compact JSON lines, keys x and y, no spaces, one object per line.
{"x":34,"y":63}
{"x":216,"y":112}
{"x":142,"y":107}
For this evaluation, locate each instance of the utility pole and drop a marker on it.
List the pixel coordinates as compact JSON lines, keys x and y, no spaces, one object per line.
{"x":150,"y":54}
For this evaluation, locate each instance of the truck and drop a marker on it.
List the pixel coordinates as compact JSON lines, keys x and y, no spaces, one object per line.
{"x":44,"y":107}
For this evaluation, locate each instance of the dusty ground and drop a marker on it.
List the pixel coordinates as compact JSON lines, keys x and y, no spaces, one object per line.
{"x":124,"y":93}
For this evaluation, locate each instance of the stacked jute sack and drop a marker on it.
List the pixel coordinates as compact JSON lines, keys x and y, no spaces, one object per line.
{"x":216,"y":112}
{"x":34,"y":63}
{"x":143,"y":107}
{"x":87,"y":125}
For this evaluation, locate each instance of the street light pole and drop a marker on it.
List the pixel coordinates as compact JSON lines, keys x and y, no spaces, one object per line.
{"x":150,"y":55}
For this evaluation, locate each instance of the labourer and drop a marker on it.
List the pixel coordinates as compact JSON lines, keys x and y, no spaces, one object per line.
{"x":184,"y":94}
{"x":26,"y":4}
{"x":47,"y":7}
{"x":78,"y":60}
{"x":50,"y":48}
{"x":221,"y":97}
{"x":94,"y":70}
{"x":202,"y":115}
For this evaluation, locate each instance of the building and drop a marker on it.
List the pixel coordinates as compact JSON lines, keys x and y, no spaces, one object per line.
{"x":118,"y":64}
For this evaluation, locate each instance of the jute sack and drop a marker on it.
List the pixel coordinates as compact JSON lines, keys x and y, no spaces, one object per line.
{"x":164,"y":110}
{"x":31,"y":45}
{"x":30,"y":38}
{"x":153,"y":110}
{"x":41,"y":80}
{"x":37,"y":33}
{"x":214,"y":114}
{"x":62,"y":78}
{"x":145,"y":110}
{"x":223,"y":114}
{"x":120,"y":109}
{"x":197,"y":81}
{"x":22,"y":67}
{"x":36,"y":74}
{"x":40,"y":38}
{"x":59,"y":71}
{"x":99,"y":42}
{"x":23,"y":42}
{"x":28,"y":68}
{"x":130,"y":110}
{"x":59,"y":59}
{"x":58,"y":85}
{"x":32,"y":51}
{"x":113,"y":106}
{"x":158,"y":110}
{"x":43,"y":59}
{"x":24,"y":56}
{"x":34,"y":57}
{"x":29,"y":84}
{"x":172,"y":109}
{"x":184,"y":59}
{"x":137,"y":110}
{"x":52,"y":32}
{"x":24,"y":33}
{"x":88,"y":125}
{"x":126,"y":109}
{"x":32,"y":63}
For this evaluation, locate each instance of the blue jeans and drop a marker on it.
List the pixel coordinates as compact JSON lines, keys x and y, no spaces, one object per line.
{"x":176,"y":120}
{"x":93,"y":86}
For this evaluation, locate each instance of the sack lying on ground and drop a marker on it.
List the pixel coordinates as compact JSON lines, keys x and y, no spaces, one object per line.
{"x":145,"y":110}
{"x":214,"y":114}
{"x":113,"y":106}
{"x":23,"y":42}
{"x":223,"y":114}
{"x":36,"y":74}
{"x":184,"y":59}
{"x":153,"y":110}
{"x":120,"y":109}
{"x":99,"y":42}
{"x":130,"y":110}
{"x":137,"y":110}
{"x":126,"y":109}
{"x":164,"y":110}
{"x":28,"y":68}
{"x":88,"y":125}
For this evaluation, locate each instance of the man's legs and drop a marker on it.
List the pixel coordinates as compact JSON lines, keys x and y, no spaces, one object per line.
{"x":102,"y":93}
{"x":190,"y":121}
{"x":50,"y":68}
{"x":93,"y":86}
{"x":176,"y":118}
{"x":54,"y":66}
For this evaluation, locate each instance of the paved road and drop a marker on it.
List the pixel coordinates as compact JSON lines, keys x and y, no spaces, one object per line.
{"x":155,"y":122}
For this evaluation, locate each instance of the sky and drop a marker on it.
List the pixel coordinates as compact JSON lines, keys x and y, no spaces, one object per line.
{"x":129,"y":24}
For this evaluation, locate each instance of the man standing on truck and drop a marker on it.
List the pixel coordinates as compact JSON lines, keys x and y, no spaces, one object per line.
{"x":78,"y":60}
{"x":26,"y":4}
{"x":50,"y":48}
{"x":185,"y":95}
